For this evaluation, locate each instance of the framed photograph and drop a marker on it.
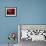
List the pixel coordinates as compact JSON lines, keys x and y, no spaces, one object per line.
{"x":33,"y":32}
{"x":10,"y":11}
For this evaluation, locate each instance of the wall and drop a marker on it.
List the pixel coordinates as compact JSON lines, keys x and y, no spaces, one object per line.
{"x":28,"y":12}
